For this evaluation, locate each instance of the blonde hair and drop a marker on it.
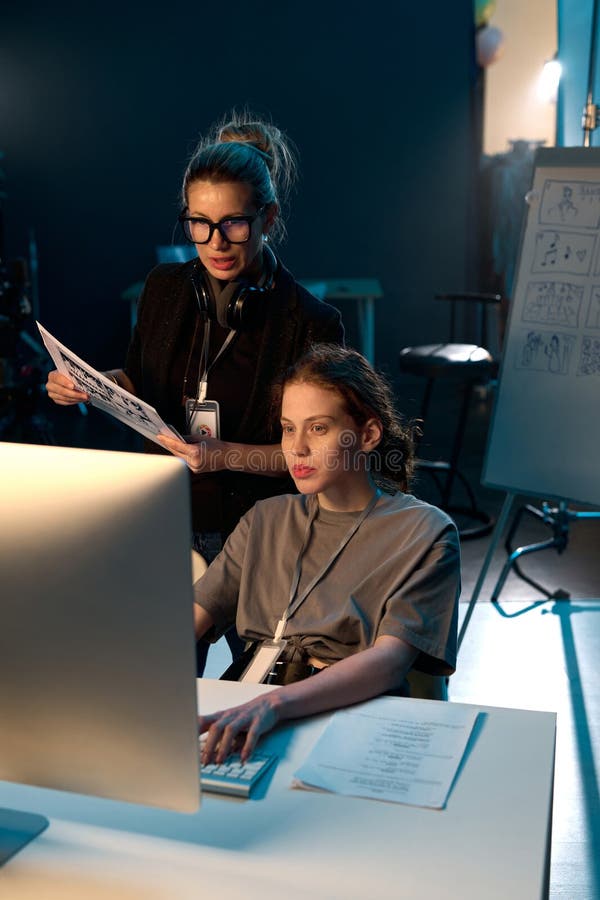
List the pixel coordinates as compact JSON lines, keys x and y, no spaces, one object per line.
{"x":247,"y":150}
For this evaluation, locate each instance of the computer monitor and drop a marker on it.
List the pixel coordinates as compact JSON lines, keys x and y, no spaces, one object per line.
{"x":97,"y":655}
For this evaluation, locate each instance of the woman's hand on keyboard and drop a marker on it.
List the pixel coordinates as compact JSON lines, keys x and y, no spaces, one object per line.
{"x":237,"y":729}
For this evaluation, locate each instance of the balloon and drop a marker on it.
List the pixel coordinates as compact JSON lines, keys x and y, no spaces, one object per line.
{"x":484,"y":10}
{"x":489,"y":45}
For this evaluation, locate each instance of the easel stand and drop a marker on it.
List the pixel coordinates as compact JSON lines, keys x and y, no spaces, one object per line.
{"x":558,"y":518}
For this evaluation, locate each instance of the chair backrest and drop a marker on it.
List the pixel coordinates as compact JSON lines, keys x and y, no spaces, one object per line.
{"x":199,"y":566}
{"x":482,"y":301}
{"x":427,"y":687}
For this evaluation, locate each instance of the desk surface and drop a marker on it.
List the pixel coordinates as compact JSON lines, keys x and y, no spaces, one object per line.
{"x":491,"y":841}
{"x":344,"y":288}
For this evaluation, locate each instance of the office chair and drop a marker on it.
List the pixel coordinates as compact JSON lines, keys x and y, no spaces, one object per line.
{"x":427,"y":687}
{"x":199,"y":566}
{"x":468,"y":365}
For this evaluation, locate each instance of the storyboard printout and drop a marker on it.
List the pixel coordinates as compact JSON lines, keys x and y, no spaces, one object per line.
{"x":104,"y":393}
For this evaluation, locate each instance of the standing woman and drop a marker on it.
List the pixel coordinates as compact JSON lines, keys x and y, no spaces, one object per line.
{"x":212,"y":334}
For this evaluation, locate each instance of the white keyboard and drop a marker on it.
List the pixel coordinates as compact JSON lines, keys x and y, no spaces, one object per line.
{"x":233,"y":776}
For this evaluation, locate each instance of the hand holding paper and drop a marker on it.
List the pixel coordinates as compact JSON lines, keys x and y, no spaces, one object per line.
{"x":201,"y":454}
{"x":62,"y":390}
{"x":101,"y":392}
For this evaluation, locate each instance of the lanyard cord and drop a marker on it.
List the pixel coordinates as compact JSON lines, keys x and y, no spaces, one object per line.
{"x":203,"y":378}
{"x":296,"y":601}
{"x":204,"y":368}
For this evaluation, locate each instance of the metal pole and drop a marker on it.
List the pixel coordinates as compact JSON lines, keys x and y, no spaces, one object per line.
{"x":508,"y":502}
{"x":590,"y":110}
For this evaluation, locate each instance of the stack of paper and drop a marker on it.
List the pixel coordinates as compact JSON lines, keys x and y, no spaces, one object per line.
{"x":391,"y":749}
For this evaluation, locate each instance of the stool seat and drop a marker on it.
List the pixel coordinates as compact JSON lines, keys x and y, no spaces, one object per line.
{"x":469,"y":365}
{"x":463,"y":361}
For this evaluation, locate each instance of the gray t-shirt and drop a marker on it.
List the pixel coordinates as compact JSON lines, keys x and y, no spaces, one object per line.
{"x":399,"y":575}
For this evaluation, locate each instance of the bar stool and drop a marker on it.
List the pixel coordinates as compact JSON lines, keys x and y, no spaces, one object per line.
{"x":467,"y":365}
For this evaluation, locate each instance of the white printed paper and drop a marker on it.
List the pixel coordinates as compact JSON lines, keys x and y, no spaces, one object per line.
{"x":391,"y":749}
{"x":104,"y":393}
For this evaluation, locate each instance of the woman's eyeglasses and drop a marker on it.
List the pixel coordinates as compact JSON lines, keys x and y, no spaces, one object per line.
{"x":234,"y":230}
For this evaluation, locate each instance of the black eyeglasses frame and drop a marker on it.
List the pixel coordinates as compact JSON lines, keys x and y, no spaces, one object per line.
{"x":218,"y":226}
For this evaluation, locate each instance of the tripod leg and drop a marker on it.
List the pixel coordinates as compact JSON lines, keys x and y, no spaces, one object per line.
{"x":511,"y":562}
{"x":558,"y":542}
{"x":504,"y":513}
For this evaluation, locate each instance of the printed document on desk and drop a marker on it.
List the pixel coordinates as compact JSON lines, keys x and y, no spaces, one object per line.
{"x":391,"y":749}
{"x":104,"y":393}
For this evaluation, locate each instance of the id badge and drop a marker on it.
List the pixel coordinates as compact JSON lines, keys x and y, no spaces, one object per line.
{"x":203,"y":418}
{"x":263,"y":661}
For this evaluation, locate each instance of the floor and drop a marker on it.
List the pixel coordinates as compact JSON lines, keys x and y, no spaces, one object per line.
{"x":532,"y":650}
{"x":528,"y":650}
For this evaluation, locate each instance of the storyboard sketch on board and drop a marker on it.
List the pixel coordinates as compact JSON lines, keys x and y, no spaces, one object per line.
{"x":545,"y":433}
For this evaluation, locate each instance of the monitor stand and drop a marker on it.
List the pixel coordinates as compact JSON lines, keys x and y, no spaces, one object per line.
{"x":16,"y":830}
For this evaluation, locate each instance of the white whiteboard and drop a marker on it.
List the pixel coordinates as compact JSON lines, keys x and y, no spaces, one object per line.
{"x":544,"y":437}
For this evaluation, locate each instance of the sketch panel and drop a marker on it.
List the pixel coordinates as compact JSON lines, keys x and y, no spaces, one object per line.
{"x":553,"y":303}
{"x":571,"y":203}
{"x":589,"y":359}
{"x":544,"y":351}
{"x":129,"y":410}
{"x":563,"y":251}
{"x":86,"y":381}
{"x":593,"y":314}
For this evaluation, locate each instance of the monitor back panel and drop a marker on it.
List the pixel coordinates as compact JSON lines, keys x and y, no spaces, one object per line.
{"x":97,"y":663}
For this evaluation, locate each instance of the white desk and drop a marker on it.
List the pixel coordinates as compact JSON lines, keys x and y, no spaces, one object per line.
{"x":492,"y":840}
{"x":365,"y":291}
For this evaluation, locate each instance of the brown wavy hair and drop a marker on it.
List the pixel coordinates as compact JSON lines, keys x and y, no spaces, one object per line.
{"x":366,"y":394}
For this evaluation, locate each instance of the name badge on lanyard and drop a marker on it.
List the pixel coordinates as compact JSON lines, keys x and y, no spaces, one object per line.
{"x":263,"y":661}
{"x":269,"y":651}
{"x":202,"y":417}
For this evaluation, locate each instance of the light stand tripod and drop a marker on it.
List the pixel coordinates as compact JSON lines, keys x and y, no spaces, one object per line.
{"x":557,"y":518}
{"x":23,"y":362}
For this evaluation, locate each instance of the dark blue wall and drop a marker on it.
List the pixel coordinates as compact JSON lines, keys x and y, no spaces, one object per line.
{"x":101,"y":105}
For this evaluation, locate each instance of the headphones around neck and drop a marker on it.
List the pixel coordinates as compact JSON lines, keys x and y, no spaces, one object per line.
{"x":240,"y":305}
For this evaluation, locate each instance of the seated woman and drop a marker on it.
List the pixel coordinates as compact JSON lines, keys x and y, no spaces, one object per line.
{"x":355,"y":579}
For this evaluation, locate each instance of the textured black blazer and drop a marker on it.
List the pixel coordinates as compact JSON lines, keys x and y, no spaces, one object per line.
{"x":294,"y":320}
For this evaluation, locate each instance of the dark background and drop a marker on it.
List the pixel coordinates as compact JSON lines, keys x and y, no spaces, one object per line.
{"x":102,"y":104}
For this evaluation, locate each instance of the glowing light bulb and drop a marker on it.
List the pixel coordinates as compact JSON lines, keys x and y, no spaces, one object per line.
{"x":549,"y":79}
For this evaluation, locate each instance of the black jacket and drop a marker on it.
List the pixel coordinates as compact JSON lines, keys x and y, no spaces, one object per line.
{"x":294,"y":320}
